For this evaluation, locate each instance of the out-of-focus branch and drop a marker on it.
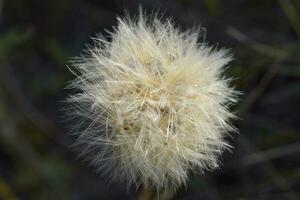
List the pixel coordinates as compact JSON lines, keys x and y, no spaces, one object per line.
{"x":274,"y":153}
{"x":5,"y":191}
{"x":256,"y":46}
{"x":8,"y":41}
{"x":260,"y":157}
{"x":265,"y":81}
{"x":20,"y":147}
{"x":11,"y":84}
{"x":1,"y":8}
{"x":260,"y":88}
{"x":269,"y":169}
{"x":291,"y":14}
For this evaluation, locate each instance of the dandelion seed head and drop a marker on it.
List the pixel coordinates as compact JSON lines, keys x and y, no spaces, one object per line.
{"x":152,"y":103}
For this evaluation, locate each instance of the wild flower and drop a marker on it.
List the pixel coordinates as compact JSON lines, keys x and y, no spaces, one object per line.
{"x":152,"y":103}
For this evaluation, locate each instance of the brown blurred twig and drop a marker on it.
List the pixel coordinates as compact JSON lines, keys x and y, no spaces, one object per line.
{"x":5,"y":191}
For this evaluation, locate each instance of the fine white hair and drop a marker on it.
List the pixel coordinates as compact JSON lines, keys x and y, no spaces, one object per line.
{"x":152,"y":103}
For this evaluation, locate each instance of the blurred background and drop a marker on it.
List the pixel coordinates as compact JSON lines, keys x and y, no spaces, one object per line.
{"x":37,"y":39}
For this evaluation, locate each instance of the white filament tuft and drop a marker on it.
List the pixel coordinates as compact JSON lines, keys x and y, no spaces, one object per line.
{"x":152,"y":103}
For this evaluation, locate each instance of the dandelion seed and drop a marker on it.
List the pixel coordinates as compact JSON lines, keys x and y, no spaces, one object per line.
{"x":152,"y":103}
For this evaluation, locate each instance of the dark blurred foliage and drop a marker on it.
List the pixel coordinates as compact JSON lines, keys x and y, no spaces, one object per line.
{"x":38,"y":38}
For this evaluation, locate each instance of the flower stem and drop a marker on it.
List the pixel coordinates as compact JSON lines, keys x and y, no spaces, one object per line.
{"x":144,"y":193}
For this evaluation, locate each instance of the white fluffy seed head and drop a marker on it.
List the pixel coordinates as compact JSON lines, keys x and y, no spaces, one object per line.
{"x":152,"y":103}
